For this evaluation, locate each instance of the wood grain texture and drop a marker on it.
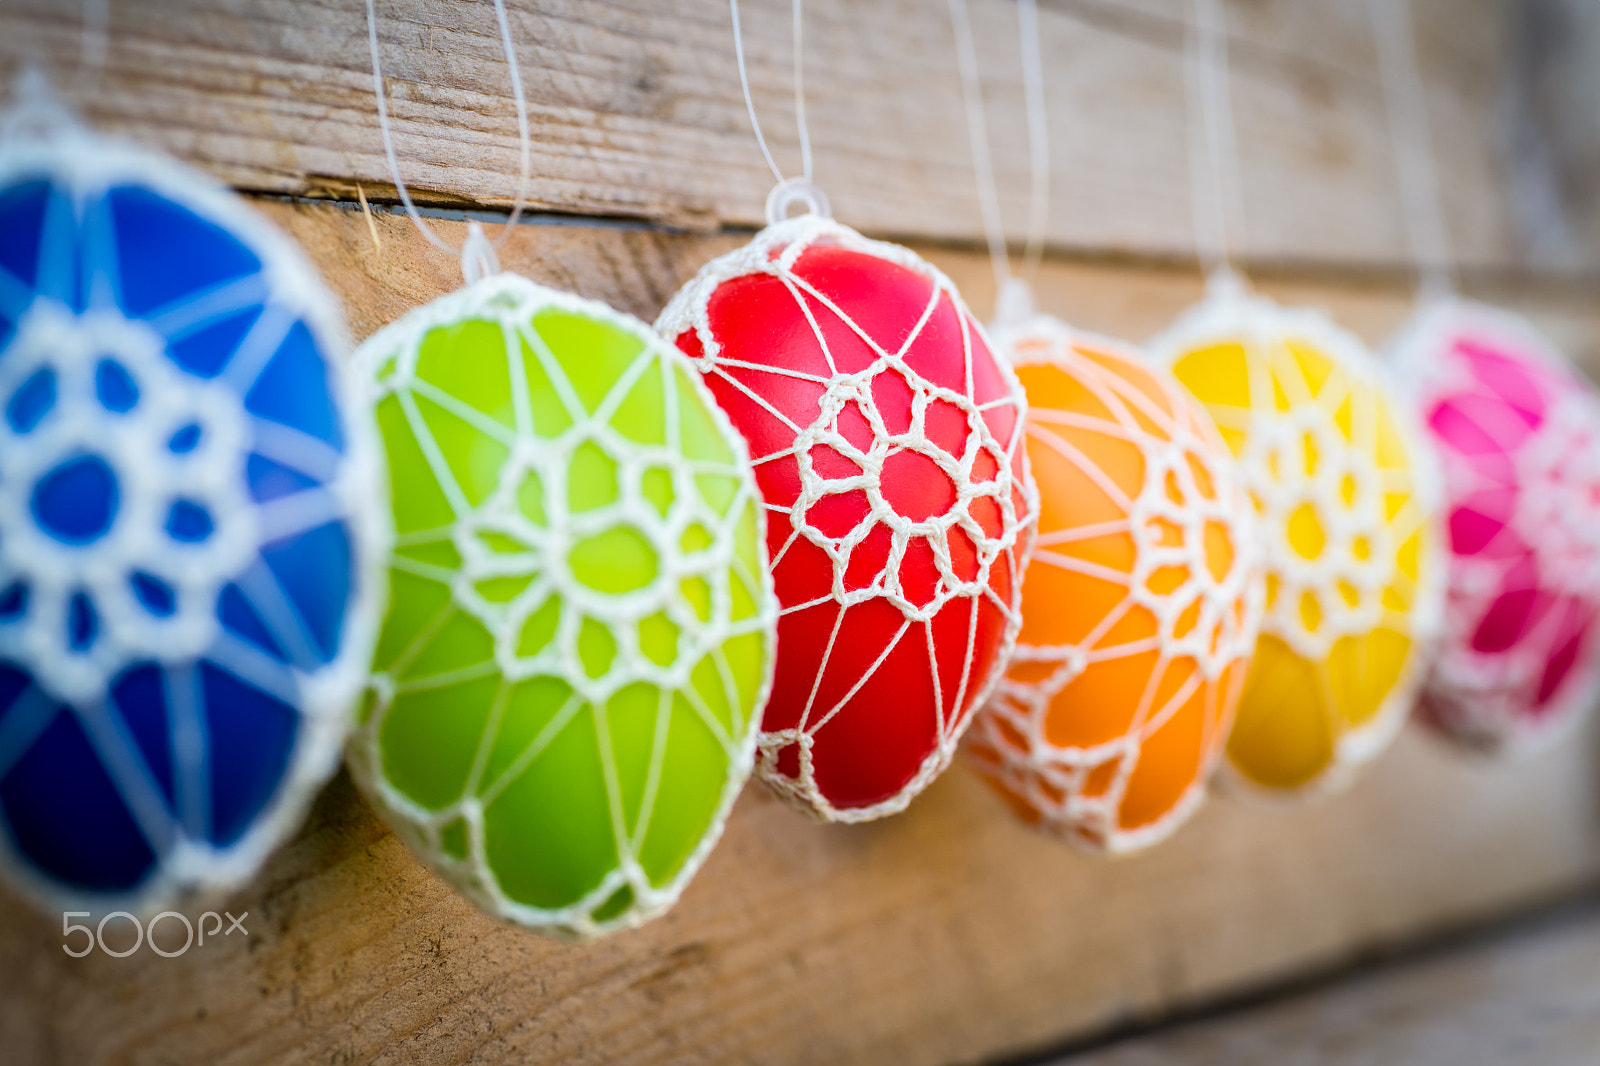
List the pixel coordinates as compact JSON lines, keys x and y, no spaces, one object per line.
{"x":636,"y":112}
{"x":949,"y":934}
{"x":1526,"y":997}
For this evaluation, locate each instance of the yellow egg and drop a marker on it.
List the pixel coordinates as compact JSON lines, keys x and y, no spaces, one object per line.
{"x":1347,"y":495}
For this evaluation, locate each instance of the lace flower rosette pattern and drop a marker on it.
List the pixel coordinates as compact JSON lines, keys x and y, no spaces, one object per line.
{"x":887,"y":442}
{"x":1347,"y":495}
{"x":1517,"y":431}
{"x":187,"y":530}
{"x":1142,"y":603}
{"x":580,"y":635}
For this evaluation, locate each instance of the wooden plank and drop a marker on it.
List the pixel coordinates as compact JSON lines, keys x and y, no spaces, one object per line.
{"x":1523,"y":997}
{"x":949,"y":934}
{"x":636,"y":113}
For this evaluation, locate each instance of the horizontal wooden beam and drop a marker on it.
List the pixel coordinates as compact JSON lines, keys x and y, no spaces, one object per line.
{"x":1524,"y":994}
{"x":636,"y":112}
{"x":949,"y":934}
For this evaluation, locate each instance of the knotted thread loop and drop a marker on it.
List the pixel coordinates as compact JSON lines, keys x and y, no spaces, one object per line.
{"x":1225,"y":283}
{"x":35,"y":109}
{"x":796,"y":191}
{"x":478,"y":259}
{"x":1013,"y":306}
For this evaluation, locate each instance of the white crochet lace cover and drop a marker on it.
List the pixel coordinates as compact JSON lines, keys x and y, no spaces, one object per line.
{"x":553,"y":548}
{"x":1190,"y":517}
{"x":1518,"y":436}
{"x":987,"y":474}
{"x":1347,"y":490}
{"x":97,"y":403}
{"x":68,"y":348}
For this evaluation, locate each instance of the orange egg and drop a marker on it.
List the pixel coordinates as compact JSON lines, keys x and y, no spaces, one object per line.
{"x":1141,"y":604}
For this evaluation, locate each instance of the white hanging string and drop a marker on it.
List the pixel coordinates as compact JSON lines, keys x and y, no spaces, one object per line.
{"x":1421,"y":199}
{"x":34,"y":107}
{"x":978,"y":135}
{"x":1038,"y":136}
{"x":789,"y":192}
{"x":749,"y":104}
{"x":478,"y":259}
{"x":800,"y":92}
{"x":1215,"y":192}
{"x":93,"y":44}
{"x":1013,"y":295}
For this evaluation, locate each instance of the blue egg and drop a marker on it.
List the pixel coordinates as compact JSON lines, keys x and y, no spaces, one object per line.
{"x":189,"y":522}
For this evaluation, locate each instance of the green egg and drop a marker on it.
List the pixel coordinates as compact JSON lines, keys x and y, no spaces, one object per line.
{"x":581,"y":626}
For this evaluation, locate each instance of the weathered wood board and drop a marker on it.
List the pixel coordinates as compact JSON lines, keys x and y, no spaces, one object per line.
{"x":1525,"y":996}
{"x":636,"y":112}
{"x":950,"y":934}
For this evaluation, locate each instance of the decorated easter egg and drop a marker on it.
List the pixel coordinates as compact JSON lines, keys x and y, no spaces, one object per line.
{"x":1346,"y":496}
{"x":887,"y":442}
{"x":188,"y":529}
{"x":580,"y":631}
{"x":1517,"y":432}
{"x":1141,"y":604}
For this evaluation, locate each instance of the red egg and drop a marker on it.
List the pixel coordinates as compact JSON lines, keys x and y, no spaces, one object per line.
{"x":886,"y":442}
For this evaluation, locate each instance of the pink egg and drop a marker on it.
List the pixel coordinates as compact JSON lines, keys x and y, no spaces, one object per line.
{"x":1517,"y":432}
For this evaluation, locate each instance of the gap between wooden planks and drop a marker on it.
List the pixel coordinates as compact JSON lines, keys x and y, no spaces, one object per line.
{"x":950,"y":934}
{"x":636,"y":111}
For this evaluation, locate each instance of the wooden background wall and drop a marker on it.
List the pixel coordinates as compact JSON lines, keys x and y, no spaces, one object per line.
{"x":949,"y":934}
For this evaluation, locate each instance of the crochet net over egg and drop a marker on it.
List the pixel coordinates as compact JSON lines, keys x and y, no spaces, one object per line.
{"x":580,"y":635}
{"x":887,"y":442}
{"x":186,"y":524}
{"x":1517,"y":431}
{"x":1346,"y":493}
{"x":1141,"y":604}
